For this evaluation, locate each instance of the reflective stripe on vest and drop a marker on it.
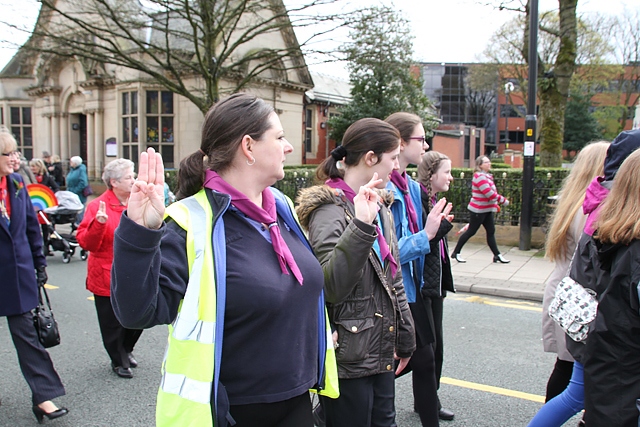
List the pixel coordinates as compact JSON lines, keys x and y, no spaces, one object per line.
{"x":184,"y":397}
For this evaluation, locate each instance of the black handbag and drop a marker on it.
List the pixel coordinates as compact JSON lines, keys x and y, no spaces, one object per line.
{"x":44,"y":322}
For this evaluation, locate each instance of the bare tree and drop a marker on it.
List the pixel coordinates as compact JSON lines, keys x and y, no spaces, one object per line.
{"x":198,"y":49}
{"x":625,"y":31}
{"x":481,"y":88}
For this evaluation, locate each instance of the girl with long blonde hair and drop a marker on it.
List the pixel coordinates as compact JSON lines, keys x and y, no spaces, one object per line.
{"x":611,"y":368}
{"x":567,"y":224}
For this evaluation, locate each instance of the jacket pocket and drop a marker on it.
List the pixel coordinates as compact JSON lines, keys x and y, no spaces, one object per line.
{"x":354,"y":338}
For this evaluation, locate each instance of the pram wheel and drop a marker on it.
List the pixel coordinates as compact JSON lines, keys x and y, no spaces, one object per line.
{"x":84,"y":255}
{"x":73,"y":251}
{"x":66,"y":257}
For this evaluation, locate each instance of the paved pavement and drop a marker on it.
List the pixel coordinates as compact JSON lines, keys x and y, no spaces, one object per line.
{"x":524,"y":277}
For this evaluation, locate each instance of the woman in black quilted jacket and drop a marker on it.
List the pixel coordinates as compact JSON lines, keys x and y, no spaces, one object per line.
{"x":434,"y":176}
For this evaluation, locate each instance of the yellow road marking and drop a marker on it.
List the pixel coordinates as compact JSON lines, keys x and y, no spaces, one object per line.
{"x":492,"y":389}
{"x":48,"y":286}
{"x":91,"y":298}
{"x":522,"y":305}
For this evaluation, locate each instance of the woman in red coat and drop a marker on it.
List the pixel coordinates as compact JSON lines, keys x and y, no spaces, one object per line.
{"x":95,"y":234}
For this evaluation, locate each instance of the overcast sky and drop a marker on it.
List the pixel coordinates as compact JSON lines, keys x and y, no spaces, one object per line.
{"x":445,"y":30}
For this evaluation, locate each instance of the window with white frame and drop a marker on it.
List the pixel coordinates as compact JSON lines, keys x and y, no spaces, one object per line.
{"x":21,"y":128}
{"x":159,"y":117}
{"x":308,"y":129}
{"x":130,"y":128}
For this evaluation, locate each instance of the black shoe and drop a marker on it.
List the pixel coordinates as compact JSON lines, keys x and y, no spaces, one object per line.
{"x":500,"y":258}
{"x":132,"y":362}
{"x":458,"y":258}
{"x":445,"y":414}
{"x":122,"y":372}
{"x":40,"y":414}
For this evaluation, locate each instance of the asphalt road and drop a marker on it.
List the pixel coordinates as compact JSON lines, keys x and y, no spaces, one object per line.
{"x":494,"y":375}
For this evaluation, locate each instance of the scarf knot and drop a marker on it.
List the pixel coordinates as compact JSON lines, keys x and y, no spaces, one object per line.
{"x":385,"y":252}
{"x":267,"y":214}
{"x":401,"y":181}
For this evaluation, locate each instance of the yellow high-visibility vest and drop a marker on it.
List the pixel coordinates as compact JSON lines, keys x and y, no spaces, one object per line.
{"x":191,"y":364}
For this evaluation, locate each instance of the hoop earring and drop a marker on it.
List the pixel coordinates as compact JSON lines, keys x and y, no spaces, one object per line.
{"x":253,"y":162}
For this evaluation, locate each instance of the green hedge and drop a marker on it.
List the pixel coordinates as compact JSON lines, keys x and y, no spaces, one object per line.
{"x":546,"y":183}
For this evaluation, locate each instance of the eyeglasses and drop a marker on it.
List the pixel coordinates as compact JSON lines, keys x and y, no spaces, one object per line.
{"x":421,"y":139}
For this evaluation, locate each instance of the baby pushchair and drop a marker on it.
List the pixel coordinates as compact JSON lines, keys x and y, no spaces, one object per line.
{"x":69,"y":206}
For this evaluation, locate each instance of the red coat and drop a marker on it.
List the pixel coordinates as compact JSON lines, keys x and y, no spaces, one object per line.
{"x":98,"y":240}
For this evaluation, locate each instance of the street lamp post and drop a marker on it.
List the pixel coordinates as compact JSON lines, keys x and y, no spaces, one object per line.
{"x":508,"y":88}
{"x":526,"y":209}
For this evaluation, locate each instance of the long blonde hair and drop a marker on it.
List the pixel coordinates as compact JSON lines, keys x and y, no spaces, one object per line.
{"x":619,"y":218}
{"x":588,"y":164}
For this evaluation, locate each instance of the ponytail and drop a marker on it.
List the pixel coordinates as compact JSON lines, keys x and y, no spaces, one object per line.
{"x":191,"y":175}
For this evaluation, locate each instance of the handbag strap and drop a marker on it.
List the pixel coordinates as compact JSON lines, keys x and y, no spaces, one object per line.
{"x":43,"y":290}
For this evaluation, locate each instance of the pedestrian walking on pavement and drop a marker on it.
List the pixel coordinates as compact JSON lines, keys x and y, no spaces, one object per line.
{"x":567,"y":225}
{"x":23,"y":270}
{"x":232,"y":272}
{"x":434,"y":176}
{"x":485,"y":202}
{"x":350,"y":229}
{"x":414,"y":241}
{"x":95,"y":234}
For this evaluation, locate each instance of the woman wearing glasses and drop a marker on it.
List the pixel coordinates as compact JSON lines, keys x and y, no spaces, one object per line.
{"x":23,"y":270}
{"x":414,"y":242}
{"x":485,"y":200}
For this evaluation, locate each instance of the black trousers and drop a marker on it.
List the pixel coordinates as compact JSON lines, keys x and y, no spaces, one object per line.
{"x":117,"y":340}
{"x":35,"y":362}
{"x":425,"y":385}
{"x":475,"y":221}
{"x":559,"y":379}
{"x":437,"y":307}
{"x":294,"y":412}
{"x":363,"y":402}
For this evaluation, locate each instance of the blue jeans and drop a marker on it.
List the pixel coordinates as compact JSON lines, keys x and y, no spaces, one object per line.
{"x":565,"y":405}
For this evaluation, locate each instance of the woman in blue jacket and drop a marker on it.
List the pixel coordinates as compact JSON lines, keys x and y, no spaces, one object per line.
{"x":414,"y":240}
{"x":77,"y":180}
{"x":22,"y":268}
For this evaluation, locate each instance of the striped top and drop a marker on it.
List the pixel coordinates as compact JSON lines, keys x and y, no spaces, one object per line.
{"x":484,"y":196}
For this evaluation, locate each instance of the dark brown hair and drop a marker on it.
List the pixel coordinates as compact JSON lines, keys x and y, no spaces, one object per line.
{"x":224,"y":126}
{"x":405,"y":123}
{"x":361,"y":137}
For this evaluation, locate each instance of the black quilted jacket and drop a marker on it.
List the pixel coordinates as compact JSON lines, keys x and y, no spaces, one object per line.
{"x":437,"y":272}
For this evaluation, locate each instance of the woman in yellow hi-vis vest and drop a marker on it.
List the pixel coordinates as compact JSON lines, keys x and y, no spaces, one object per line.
{"x":232,"y":273}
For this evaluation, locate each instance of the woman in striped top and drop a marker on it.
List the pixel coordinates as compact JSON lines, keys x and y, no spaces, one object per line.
{"x":485,"y":200}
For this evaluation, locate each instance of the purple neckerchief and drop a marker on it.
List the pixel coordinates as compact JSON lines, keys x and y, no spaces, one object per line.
{"x":434,"y":200}
{"x":266,"y":215}
{"x":400,"y":181}
{"x":385,"y":253}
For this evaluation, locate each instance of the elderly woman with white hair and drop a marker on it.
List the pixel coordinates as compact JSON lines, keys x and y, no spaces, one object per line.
{"x":77,"y":180}
{"x":95,"y":234}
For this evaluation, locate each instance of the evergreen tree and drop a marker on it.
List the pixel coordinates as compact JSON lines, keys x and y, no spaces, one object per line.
{"x":580,"y":126}
{"x":380,"y":59}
